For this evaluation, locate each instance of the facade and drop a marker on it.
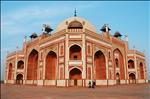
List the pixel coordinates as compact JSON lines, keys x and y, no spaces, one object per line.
{"x":74,"y":55}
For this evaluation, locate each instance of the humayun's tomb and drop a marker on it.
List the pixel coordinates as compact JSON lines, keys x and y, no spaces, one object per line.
{"x":73,"y":55}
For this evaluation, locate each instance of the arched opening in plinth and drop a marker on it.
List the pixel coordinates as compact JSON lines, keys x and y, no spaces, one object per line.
{"x":100,"y":65}
{"x":32,"y":65}
{"x":117,"y":78}
{"x":75,"y":52}
{"x":119,"y":63}
{"x":141,"y":70}
{"x":10,"y":71}
{"x":50,"y":69}
{"x":20,"y":64}
{"x":130,"y":64}
{"x":132,"y":79}
{"x":19,"y":79}
{"x":75,"y":76}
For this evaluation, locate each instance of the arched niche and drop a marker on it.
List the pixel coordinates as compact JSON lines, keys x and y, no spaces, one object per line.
{"x":132,"y":78}
{"x":100,"y":65}
{"x":50,"y":69}
{"x":75,"y":52}
{"x":141,"y":70}
{"x":20,"y":64}
{"x":10,"y":66}
{"x":32,"y":65}
{"x":130,"y":64}
{"x":19,"y":79}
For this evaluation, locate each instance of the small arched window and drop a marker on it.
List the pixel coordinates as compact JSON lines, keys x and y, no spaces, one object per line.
{"x":20,"y":64}
{"x":130,"y":64}
{"x":116,"y":62}
{"x":75,"y":52}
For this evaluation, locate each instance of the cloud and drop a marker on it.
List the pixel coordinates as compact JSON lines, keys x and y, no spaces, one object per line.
{"x":22,"y":19}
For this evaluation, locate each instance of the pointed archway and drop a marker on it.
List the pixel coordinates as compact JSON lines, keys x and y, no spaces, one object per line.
{"x":19,"y":79}
{"x":117,"y":78}
{"x":132,"y":79}
{"x":130,"y":64}
{"x":50,"y":69}
{"x":32,"y":65}
{"x":20,"y":64}
{"x":100,"y":65}
{"x":75,"y":76}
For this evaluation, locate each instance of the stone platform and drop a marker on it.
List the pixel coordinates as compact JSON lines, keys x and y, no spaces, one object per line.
{"x":134,"y":91}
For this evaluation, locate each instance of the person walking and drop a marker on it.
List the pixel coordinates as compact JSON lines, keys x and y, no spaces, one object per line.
{"x":89,"y":84}
{"x":93,"y":84}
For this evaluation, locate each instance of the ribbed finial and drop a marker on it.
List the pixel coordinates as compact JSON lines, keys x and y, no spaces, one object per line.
{"x":75,"y":13}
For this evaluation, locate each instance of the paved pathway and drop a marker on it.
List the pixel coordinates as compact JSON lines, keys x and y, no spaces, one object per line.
{"x":138,"y":91}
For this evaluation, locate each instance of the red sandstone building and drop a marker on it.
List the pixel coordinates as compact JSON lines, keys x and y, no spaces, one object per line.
{"x":74,"y":55}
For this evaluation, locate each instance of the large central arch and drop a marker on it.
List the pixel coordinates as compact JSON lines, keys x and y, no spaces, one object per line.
{"x":32,"y":65}
{"x":100,"y":65}
{"x":75,"y":75}
{"x":50,"y":69}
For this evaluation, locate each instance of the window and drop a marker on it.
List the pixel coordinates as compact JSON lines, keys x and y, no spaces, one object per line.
{"x":130,"y":64}
{"x":75,"y":52}
{"x":75,"y":57}
{"x":116,"y":61}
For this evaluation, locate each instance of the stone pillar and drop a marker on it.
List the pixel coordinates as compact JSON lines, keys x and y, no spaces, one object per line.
{"x":107,"y":69}
{"x":15,"y":68}
{"x":83,"y":58}
{"x":136,"y":66}
{"x":40,"y":69}
{"x":25,"y":65}
{"x":66,"y":57}
{"x":6,"y":73}
{"x":126,"y":61}
{"x":145,"y":70}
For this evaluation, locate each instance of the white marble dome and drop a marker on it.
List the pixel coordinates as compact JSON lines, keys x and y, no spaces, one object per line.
{"x":64,"y":24}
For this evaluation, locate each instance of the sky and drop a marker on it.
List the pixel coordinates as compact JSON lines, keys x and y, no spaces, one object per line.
{"x":22,"y":18}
